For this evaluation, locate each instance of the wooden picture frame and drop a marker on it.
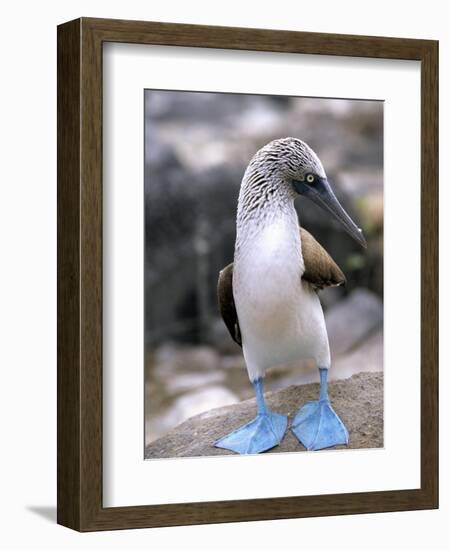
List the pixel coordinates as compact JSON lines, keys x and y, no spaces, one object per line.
{"x":80,"y":503}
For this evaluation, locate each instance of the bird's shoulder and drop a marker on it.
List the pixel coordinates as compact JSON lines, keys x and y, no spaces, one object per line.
{"x":320,"y":270}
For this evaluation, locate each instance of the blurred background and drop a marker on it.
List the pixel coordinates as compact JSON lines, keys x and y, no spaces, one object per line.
{"x":197,"y":146}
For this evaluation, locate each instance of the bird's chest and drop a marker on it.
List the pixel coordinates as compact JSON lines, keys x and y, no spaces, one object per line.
{"x":267,"y":279}
{"x":280,"y":316}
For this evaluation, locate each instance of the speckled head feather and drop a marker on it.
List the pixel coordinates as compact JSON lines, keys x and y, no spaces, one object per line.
{"x":289,"y":158}
{"x":267,"y":181}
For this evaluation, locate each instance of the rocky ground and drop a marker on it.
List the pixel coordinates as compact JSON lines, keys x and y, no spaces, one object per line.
{"x":357,"y":400}
{"x":183,"y":381}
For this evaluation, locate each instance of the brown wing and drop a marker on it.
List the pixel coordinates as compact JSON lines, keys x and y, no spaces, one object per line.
{"x":320,"y":269}
{"x":226,"y":303}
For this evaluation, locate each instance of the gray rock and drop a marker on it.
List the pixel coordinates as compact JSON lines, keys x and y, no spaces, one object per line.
{"x":169,"y":360}
{"x":235,"y":361}
{"x":351,"y":320}
{"x":186,"y":382}
{"x":368,"y":357}
{"x":186,"y":406}
{"x":358,"y":400}
{"x":361,"y":182}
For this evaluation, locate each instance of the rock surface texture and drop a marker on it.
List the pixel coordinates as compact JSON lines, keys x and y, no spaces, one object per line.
{"x":357,"y":400}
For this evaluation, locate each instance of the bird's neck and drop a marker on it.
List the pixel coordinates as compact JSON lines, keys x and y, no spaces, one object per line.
{"x":262,"y":197}
{"x":266,"y":215}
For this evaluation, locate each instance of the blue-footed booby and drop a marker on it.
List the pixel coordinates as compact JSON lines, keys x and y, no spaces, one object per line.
{"x":268,"y":296}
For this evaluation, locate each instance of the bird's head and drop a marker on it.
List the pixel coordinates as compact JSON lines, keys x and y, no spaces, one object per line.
{"x":294,"y":163}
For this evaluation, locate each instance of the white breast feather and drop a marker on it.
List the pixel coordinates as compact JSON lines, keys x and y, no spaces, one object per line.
{"x":280,"y":316}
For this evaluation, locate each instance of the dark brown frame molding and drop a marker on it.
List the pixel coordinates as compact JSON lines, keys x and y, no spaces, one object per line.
{"x":80,"y":273}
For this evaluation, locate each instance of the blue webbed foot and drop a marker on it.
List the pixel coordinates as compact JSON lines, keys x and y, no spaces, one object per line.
{"x":259,"y":435}
{"x":317,"y":426}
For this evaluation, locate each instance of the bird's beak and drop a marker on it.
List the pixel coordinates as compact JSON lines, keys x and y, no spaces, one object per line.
{"x":320,"y":192}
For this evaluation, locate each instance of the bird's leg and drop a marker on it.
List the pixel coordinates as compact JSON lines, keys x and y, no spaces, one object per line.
{"x":317,"y":425}
{"x":262,"y":433}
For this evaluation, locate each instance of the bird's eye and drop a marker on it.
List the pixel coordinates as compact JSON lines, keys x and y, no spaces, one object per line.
{"x":310,"y":178}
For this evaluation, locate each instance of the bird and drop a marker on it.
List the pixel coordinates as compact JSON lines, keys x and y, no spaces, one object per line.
{"x":268,"y":297}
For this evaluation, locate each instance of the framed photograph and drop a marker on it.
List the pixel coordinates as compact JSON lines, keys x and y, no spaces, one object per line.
{"x":247,"y":274}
